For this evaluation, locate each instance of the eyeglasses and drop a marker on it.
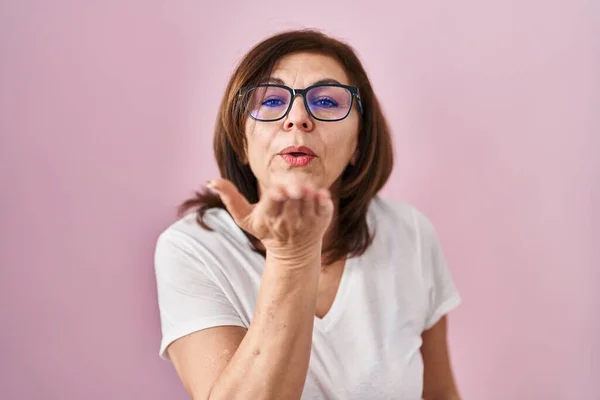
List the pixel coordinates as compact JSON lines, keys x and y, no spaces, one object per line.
{"x":324,"y":102}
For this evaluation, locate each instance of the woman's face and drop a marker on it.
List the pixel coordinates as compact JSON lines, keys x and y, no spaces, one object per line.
{"x":333,"y":143}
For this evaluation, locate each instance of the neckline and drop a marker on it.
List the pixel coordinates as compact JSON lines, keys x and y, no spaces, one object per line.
{"x":337,"y":307}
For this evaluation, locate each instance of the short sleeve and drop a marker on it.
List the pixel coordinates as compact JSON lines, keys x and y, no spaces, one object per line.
{"x":188,"y":298}
{"x":442,"y":294}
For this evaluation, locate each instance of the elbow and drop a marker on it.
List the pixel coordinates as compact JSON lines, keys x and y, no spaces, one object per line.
{"x":442,"y":395}
{"x":196,"y":395}
{"x":201,"y":397}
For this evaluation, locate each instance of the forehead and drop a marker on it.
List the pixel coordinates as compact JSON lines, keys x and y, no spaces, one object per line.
{"x":303,"y":69}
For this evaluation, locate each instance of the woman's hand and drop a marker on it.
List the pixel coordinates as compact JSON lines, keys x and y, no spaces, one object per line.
{"x":290,"y":218}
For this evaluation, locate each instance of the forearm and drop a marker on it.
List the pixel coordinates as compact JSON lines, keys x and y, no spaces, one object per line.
{"x":272,"y":360}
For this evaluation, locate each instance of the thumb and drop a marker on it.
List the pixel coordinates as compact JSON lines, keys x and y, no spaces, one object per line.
{"x":236,"y":203}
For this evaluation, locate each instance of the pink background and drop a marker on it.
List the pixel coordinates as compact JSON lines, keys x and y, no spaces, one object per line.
{"x":106,"y":115}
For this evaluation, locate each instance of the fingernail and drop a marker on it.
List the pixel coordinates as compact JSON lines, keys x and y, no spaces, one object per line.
{"x":279,"y":197}
{"x":295,"y":194}
{"x":324,"y":194}
{"x":210,"y":185}
{"x":323,"y":201}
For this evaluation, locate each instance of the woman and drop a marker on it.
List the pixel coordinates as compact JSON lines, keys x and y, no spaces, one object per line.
{"x":294,"y":279}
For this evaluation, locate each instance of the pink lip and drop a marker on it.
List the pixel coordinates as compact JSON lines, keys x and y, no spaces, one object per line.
{"x":298,"y":149}
{"x":297,"y":161}
{"x":297,"y":156}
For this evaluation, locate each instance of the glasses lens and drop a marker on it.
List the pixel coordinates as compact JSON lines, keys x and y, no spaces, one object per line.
{"x":329,"y":102}
{"x":267,"y":103}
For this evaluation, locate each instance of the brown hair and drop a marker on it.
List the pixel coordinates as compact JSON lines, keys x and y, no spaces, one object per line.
{"x":359,"y":182}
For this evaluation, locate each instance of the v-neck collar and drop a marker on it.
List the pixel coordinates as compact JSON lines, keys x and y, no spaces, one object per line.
{"x":337,"y":307}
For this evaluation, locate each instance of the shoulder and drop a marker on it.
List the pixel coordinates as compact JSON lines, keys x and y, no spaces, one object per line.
{"x":186,"y":235}
{"x":400,"y":216}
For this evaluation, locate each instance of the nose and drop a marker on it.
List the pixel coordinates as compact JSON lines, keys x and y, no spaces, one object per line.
{"x":298,"y":116}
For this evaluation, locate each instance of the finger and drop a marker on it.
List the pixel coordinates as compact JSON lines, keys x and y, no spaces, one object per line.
{"x":291,"y":207}
{"x":309,"y":202}
{"x":271,"y":202}
{"x":236,"y":203}
{"x":324,"y":203}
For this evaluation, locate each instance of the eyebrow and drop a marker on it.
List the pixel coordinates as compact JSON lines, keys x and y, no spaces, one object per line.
{"x":325,"y":81}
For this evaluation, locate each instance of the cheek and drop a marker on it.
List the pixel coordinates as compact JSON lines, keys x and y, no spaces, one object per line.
{"x":341,"y":144}
{"x":257,"y":144}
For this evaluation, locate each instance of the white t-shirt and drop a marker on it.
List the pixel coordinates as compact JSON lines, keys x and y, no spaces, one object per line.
{"x":366,"y":346}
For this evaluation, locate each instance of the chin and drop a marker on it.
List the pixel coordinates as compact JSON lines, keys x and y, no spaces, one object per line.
{"x":302,"y":174}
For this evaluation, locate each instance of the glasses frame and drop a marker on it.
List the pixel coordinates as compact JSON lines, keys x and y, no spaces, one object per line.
{"x":302,"y":92}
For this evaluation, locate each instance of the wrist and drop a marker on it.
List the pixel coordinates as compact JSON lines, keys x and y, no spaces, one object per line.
{"x":295,"y":256}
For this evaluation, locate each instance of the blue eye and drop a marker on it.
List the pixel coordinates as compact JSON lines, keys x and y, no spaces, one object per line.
{"x":325,"y":102}
{"x":273,"y":102}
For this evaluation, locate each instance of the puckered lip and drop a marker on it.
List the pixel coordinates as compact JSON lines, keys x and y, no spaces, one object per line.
{"x":297,"y":150}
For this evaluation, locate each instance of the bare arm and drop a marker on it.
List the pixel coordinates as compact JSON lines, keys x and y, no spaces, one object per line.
{"x":269,"y":360}
{"x":272,"y":358}
{"x":438,"y":380}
